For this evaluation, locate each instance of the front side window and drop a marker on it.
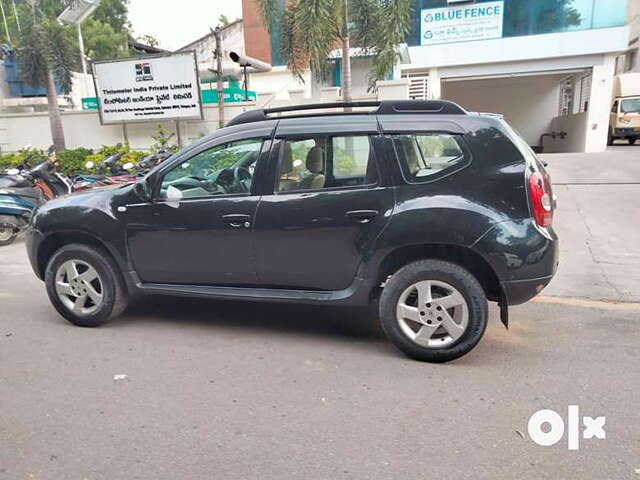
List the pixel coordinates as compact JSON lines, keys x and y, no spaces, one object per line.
{"x":221,"y":170}
{"x":424,"y":155}
{"x":614,"y":109}
{"x":322,"y":162}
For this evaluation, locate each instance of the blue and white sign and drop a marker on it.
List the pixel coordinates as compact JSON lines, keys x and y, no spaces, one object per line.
{"x":477,"y":21}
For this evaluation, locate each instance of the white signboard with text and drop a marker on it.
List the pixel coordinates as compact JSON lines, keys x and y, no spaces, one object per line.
{"x":476,"y":21}
{"x":148,"y":89}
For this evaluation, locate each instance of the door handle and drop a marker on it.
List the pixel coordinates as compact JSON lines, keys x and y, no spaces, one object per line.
{"x":237,"y":220}
{"x":361,"y":216}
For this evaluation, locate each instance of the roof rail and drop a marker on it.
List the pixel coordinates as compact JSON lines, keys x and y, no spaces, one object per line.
{"x":385,"y":107}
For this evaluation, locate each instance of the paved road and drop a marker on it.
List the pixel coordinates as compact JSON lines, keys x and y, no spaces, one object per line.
{"x":598,"y":222}
{"x":224,"y":390}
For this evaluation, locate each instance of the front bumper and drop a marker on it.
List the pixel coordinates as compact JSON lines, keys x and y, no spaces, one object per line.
{"x":626,"y":132}
{"x":33,"y":239}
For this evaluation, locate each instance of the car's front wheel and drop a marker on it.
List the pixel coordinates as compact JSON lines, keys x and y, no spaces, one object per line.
{"x":433,"y":310}
{"x":83,"y":285}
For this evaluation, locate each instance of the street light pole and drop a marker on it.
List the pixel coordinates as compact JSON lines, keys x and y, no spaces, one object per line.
{"x":81,"y":44}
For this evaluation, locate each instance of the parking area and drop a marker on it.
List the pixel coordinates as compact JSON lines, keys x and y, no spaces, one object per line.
{"x":241,"y":390}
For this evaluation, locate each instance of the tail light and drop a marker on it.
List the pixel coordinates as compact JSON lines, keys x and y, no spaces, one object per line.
{"x":541,"y":198}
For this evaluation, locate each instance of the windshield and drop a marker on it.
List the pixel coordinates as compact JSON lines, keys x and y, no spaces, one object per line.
{"x":630,"y":105}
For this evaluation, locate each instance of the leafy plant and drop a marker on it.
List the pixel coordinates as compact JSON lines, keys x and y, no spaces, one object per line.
{"x":163,"y":141}
{"x":12,"y":160}
{"x":310,"y":29}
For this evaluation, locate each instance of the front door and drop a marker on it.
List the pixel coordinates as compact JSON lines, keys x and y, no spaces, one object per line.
{"x":327,"y":209}
{"x":198,"y":230}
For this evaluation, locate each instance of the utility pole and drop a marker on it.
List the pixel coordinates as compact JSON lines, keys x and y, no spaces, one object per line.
{"x":219,"y":84}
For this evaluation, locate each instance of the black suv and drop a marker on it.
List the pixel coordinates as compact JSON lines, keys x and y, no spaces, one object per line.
{"x":418,"y":204}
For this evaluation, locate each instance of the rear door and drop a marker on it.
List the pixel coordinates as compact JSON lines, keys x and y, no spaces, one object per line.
{"x":328,"y":204}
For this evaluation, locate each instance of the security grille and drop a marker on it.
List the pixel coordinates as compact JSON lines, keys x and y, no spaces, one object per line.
{"x":565,"y":105}
{"x":418,"y":85}
{"x":585,"y":93}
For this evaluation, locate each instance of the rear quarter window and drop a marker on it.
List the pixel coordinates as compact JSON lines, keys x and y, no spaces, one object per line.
{"x":426,"y":156}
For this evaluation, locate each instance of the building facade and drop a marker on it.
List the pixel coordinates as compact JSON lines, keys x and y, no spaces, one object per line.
{"x":546,"y":65}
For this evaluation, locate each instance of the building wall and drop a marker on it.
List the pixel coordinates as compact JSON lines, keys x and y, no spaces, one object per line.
{"x":83,"y":129}
{"x":232,"y":37}
{"x":256,"y":37}
{"x":528,"y":103}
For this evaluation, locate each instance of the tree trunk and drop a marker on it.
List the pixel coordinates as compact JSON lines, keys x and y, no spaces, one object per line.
{"x":346,"y":69}
{"x":55,"y":120}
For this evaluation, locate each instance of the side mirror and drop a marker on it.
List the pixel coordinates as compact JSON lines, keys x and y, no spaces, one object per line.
{"x":142,"y":189}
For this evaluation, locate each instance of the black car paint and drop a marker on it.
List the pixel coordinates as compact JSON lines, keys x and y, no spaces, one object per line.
{"x":301,"y":247}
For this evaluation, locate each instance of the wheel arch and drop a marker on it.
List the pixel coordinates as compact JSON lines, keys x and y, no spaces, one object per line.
{"x":460,"y":255}
{"x":54,"y":241}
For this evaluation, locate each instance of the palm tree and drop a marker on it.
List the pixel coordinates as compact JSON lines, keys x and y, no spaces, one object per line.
{"x":311,"y":29}
{"x":47,"y":56}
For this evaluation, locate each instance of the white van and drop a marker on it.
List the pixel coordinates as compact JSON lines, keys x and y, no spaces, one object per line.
{"x":624,"y":119}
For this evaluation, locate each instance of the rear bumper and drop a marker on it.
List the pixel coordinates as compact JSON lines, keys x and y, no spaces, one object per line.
{"x":523,"y":256}
{"x":521,"y":291}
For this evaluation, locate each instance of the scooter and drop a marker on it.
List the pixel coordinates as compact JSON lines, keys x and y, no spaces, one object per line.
{"x":126,"y":173}
{"x":22,"y":190}
{"x":118,"y":174}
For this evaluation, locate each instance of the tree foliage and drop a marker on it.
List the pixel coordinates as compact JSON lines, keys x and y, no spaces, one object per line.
{"x":44,"y":46}
{"x":310,"y":29}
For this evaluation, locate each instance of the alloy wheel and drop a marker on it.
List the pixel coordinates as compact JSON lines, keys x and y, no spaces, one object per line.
{"x":79,"y":287}
{"x":432,"y":313}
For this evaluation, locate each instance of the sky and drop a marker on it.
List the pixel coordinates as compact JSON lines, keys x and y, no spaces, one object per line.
{"x":176,"y":23}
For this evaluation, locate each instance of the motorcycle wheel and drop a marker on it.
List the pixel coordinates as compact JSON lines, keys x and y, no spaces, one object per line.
{"x":7,"y":236}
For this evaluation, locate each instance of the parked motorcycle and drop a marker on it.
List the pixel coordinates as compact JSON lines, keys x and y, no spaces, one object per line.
{"x":22,"y":189}
{"x":126,"y":173}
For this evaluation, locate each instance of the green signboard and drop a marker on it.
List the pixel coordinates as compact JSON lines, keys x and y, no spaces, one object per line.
{"x":230,"y":95}
{"x":90,"y":103}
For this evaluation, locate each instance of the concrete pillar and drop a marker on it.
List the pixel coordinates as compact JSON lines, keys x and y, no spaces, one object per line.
{"x":599,"y":104}
{"x":435,"y":88}
{"x":296,"y":96}
{"x":329,"y":94}
{"x":393,"y":89}
{"x":264,"y":99}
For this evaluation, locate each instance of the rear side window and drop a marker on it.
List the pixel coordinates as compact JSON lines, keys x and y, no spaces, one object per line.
{"x":423,"y":155}
{"x":322,"y":162}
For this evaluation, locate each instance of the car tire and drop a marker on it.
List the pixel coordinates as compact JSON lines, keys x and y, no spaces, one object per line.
{"x":93,"y":294}
{"x":7,"y":236}
{"x":609,"y":137}
{"x":458,"y":332}
{"x":632,"y":141}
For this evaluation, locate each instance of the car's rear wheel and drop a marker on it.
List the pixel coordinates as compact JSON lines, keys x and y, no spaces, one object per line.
{"x":632,"y":141}
{"x":433,"y":310}
{"x":84,"y":286}
{"x":7,"y":236}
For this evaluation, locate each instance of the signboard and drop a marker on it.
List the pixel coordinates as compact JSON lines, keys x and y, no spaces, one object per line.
{"x":463,"y":23}
{"x":152,"y":88}
{"x":89,"y":103}
{"x":229,"y":95}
